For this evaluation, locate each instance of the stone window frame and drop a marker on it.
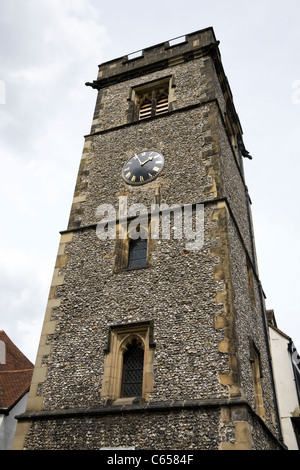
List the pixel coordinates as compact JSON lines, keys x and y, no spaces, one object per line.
{"x":120,"y":336}
{"x":122,"y":244}
{"x":150,"y":90}
{"x":257,"y":375}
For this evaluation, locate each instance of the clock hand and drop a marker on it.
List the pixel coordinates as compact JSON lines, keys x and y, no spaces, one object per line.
{"x":150,"y":158}
{"x":138,"y":159}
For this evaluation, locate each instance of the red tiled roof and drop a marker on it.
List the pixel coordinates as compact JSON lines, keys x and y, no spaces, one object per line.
{"x":15,"y":374}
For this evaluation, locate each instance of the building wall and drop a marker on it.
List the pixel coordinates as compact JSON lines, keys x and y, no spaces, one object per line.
{"x":8,"y":424}
{"x":198,"y":301}
{"x":285,"y":386}
{"x":198,"y":429}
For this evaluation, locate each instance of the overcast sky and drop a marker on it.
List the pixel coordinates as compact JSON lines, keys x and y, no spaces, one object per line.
{"x":50,"y":48}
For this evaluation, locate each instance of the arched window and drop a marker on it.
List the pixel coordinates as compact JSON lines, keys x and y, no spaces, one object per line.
{"x":133,"y":365}
{"x":151,"y":99}
{"x":154,"y":102}
{"x":129,"y":358}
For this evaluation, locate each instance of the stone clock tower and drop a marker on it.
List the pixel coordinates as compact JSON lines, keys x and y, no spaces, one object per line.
{"x":155,"y":330}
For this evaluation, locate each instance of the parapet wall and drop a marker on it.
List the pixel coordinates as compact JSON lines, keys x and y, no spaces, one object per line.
{"x":154,"y":58}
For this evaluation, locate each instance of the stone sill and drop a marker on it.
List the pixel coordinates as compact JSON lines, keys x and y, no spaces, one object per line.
{"x":132,"y":405}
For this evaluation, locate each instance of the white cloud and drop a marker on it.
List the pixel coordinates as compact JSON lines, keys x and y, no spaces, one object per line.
{"x":26,"y":337}
{"x":66,"y":41}
{"x":54,"y":50}
{"x":79,"y":37}
{"x":43,"y":74}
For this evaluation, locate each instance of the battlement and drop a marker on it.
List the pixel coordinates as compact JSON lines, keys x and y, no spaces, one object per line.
{"x":157,"y":57}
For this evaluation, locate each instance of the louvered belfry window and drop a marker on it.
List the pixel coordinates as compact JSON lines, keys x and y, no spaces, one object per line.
{"x":154,"y":102}
{"x":133,"y":364}
{"x":145,"y":107}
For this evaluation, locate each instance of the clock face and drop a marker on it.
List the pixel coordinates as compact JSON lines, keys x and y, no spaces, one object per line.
{"x":143,"y":167}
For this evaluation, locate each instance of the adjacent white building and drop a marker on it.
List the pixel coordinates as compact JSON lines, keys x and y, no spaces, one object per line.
{"x":286,"y":366}
{"x":15,"y":377}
